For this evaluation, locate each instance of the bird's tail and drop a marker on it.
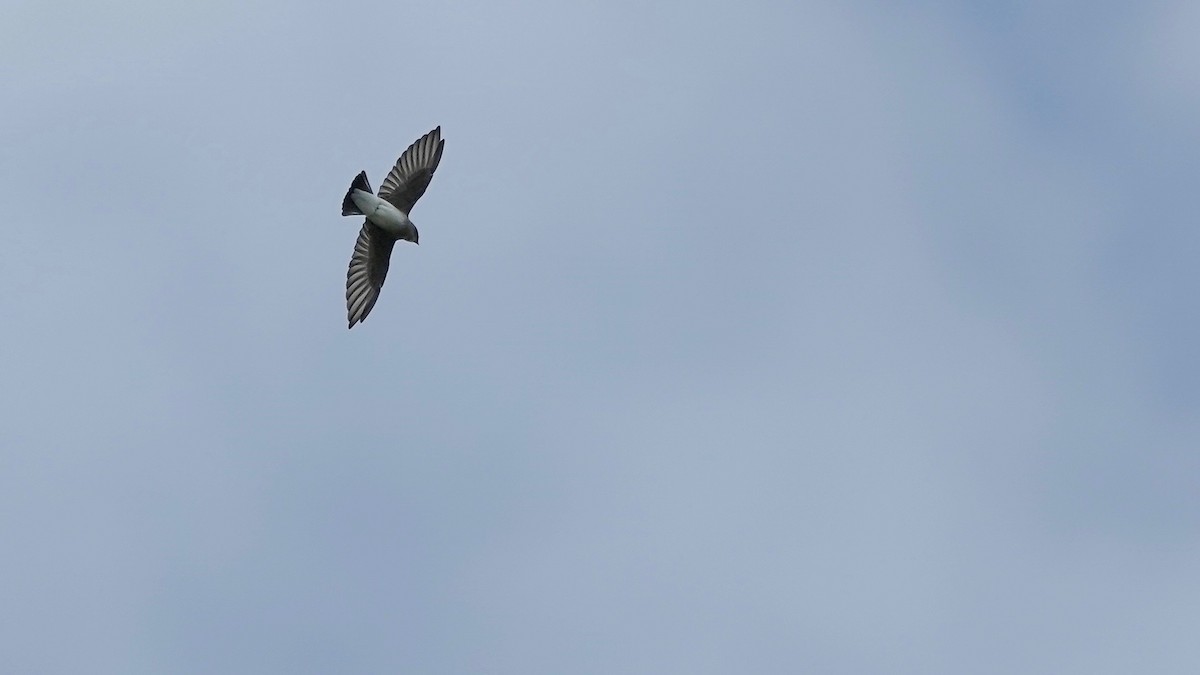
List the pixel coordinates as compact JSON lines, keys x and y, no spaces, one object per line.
{"x":349,"y":208}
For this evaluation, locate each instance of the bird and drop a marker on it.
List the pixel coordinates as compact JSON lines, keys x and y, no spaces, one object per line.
{"x":386,"y":220}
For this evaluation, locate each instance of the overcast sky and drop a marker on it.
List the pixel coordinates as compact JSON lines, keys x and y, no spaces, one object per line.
{"x":756,"y":337}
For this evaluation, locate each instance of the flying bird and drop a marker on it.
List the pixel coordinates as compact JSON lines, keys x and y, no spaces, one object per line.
{"x":387,"y":220}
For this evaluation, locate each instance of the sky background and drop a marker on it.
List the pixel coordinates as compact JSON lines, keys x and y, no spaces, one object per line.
{"x":756,"y":337}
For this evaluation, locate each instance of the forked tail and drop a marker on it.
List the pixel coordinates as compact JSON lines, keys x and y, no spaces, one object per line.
{"x":349,"y":208}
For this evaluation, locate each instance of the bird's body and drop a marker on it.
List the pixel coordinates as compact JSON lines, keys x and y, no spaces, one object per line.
{"x":381,"y":212}
{"x":387,"y":220}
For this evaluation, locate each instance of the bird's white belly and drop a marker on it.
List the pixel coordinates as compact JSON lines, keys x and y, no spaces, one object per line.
{"x":382,"y":213}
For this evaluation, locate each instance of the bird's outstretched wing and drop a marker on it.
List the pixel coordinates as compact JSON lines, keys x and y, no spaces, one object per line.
{"x":368,"y":269}
{"x":407,"y":180}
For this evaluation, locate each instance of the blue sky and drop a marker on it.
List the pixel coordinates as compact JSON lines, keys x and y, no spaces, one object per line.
{"x":742,"y":337}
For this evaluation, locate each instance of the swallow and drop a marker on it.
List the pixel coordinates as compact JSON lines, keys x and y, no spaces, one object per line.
{"x":386,"y":221}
